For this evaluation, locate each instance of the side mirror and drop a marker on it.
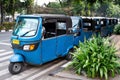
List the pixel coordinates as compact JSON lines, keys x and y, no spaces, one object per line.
{"x":76,"y":29}
{"x":70,"y":30}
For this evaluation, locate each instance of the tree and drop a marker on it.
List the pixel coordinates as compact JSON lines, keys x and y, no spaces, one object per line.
{"x":1,"y":11}
{"x":10,"y":7}
{"x":53,"y":5}
{"x":78,"y":8}
{"x":113,"y":10}
{"x":29,"y":5}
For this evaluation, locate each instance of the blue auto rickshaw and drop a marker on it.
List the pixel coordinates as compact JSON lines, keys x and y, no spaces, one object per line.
{"x":88,"y":28}
{"x":96,"y":25}
{"x":37,"y":39}
{"x":110,"y":25}
{"x":77,"y":28}
{"x":82,"y":29}
{"x":115,"y":21}
{"x":104,"y":27}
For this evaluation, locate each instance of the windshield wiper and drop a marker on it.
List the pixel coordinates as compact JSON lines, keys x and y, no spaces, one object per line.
{"x":74,"y":25}
{"x":26,"y":33}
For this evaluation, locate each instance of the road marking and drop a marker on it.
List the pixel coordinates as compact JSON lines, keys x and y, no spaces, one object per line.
{"x":67,"y":64}
{"x":4,"y":63}
{"x":5,"y":40}
{"x":45,"y":71}
{"x":5,"y":53}
{"x":8,"y":40}
{"x":4,"y":58}
{"x":23,"y":74}
{"x":7,"y":44}
{"x":27,"y":73}
{"x":2,"y":50}
{"x":3,"y":72}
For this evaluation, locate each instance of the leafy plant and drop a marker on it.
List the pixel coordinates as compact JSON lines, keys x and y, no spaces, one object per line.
{"x":117,"y":29}
{"x":1,"y":27}
{"x":96,"y":58}
{"x":8,"y":25}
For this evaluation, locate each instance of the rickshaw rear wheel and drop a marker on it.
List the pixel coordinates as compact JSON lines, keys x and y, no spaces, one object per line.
{"x":69,"y":55}
{"x":15,"y":67}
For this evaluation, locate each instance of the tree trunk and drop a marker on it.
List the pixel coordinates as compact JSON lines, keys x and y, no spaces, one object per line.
{"x":60,"y":3}
{"x":1,"y":8}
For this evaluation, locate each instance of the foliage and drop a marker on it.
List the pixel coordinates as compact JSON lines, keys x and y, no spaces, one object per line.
{"x":8,"y":7}
{"x":28,"y":6}
{"x":1,"y":27}
{"x":78,"y":8}
{"x":113,"y":10}
{"x":7,"y":25}
{"x":117,"y":29}
{"x":96,"y":57}
{"x":93,"y":8}
{"x":54,"y":5}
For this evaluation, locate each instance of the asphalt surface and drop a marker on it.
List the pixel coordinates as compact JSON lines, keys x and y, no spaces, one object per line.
{"x":29,"y":72}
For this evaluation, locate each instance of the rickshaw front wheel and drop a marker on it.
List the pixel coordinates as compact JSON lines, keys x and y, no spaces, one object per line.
{"x":15,"y":67}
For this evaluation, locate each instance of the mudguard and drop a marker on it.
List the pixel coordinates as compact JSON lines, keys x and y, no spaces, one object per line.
{"x":17,"y":58}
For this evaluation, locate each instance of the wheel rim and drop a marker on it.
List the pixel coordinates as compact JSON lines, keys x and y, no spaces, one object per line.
{"x":17,"y":67}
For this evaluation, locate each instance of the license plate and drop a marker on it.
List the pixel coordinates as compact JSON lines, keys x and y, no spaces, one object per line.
{"x":15,"y":41}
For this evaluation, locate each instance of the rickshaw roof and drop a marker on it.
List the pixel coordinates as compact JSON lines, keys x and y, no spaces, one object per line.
{"x":59,"y":17}
{"x":46,"y":15}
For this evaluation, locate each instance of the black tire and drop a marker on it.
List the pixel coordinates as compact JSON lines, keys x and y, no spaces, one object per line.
{"x":110,"y":33}
{"x":15,"y":68}
{"x":69,"y":56}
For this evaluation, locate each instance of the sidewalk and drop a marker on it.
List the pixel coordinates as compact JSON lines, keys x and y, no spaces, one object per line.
{"x":62,"y":74}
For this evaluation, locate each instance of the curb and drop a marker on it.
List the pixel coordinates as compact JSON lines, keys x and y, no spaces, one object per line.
{"x":6,"y":31}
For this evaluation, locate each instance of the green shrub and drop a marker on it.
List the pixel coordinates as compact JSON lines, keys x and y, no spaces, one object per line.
{"x":8,"y":25}
{"x":117,"y":29}
{"x":96,"y":57}
{"x":1,"y":27}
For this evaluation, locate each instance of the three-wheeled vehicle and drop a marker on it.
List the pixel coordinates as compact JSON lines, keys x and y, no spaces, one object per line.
{"x":37,"y":39}
{"x":110,"y":25}
{"x":104,"y":27}
{"x":115,"y":21}
{"x":96,"y":24}
{"x":88,"y":27}
{"x":82,"y":29}
{"x":77,"y":29}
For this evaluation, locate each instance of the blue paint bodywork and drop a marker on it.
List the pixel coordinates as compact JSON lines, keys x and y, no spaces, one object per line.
{"x":89,"y":32}
{"x":77,"y":26}
{"x":78,"y":29}
{"x":47,"y":49}
{"x":17,"y":58}
{"x":97,"y":26}
{"x":106,"y":30}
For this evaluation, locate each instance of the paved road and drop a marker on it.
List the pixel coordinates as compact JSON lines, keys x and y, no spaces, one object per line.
{"x":29,"y":72}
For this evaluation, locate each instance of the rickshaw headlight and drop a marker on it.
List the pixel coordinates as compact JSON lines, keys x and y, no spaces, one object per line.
{"x":29,"y":47}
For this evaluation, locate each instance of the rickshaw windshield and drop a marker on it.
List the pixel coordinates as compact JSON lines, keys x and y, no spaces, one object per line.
{"x":26,"y":27}
{"x":75,"y":21}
